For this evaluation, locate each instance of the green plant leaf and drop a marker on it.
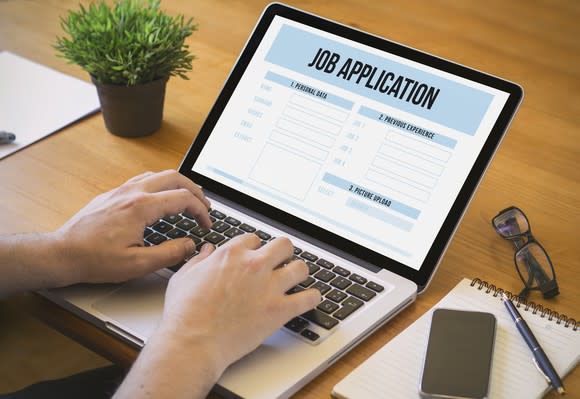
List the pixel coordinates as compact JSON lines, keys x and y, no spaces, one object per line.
{"x":127,"y":43}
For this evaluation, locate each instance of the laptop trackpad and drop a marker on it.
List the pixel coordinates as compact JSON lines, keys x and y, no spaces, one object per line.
{"x":136,"y":306}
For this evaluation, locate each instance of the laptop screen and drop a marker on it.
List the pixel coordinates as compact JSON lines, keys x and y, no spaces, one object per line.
{"x":363,"y":143}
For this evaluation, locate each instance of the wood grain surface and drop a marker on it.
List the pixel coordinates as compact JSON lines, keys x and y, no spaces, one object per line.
{"x":535,"y":44}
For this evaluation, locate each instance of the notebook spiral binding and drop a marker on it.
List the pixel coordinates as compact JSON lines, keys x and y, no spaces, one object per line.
{"x":527,"y":305}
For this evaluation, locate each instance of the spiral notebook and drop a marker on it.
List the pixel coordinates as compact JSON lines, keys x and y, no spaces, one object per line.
{"x":394,"y":370}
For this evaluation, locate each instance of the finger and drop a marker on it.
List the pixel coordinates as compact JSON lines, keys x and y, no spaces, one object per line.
{"x":170,"y":180}
{"x":156,"y":205}
{"x":168,"y":253}
{"x":278,"y":251}
{"x":290,"y":275}
{"x":296,"y":304}
{"x":249,"y":241}
{"x":206,"y":250}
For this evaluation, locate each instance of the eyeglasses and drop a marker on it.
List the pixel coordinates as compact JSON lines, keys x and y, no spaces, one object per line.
{"x":532,"y":262}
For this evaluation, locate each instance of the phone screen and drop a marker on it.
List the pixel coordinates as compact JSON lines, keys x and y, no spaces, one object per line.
{"x":459,"y":354}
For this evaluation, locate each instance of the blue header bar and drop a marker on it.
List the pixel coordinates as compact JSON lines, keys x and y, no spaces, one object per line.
{"x":412,"y":90}
{"x":409,"y":128}
{"x":293,"y":84}
{"x":372,"y":196}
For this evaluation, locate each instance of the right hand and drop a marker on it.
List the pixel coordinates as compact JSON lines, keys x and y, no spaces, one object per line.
{"x":230,"y":299}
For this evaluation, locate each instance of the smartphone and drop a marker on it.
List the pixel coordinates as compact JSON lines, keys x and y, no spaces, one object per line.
{"x":459,"y":355}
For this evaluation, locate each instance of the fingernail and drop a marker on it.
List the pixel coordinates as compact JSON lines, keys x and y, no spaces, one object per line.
{"x":207,"y":247}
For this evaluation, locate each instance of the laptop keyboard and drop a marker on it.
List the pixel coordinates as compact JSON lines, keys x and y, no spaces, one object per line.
{"x":343,"y":292}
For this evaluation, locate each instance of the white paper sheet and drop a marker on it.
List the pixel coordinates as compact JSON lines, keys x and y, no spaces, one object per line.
{"x":36,"y":101}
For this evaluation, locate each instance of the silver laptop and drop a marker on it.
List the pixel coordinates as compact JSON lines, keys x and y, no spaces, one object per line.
{"x":364,"y":152}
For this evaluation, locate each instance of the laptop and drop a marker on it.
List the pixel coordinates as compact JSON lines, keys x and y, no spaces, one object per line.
{"x":364,"y":152}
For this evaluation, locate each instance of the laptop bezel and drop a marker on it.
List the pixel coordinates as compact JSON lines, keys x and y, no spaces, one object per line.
{"x":421,"y":276}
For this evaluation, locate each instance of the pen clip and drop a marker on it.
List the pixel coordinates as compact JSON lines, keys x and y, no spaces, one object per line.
{"x":540,"y":370}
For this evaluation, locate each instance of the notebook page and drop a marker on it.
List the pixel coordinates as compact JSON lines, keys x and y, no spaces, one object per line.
{"x":36,"y":101}
{"x":394,"y":370}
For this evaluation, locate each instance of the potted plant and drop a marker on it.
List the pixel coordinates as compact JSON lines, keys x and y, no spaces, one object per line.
{"x":130,"y":49}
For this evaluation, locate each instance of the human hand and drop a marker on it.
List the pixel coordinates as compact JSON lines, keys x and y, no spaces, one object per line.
{"x":103,"y":242}
{"x":228,"y":301}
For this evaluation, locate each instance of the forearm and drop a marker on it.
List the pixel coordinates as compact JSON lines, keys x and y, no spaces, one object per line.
{"x":170,"y":367}
{"x":31,"y":262}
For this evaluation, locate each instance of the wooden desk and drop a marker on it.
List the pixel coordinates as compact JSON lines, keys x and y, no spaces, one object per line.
{"x":536,"y":167}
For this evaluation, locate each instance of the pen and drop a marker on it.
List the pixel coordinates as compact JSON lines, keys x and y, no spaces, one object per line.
{"x":6,"y":137}
{"x":538,"y":352}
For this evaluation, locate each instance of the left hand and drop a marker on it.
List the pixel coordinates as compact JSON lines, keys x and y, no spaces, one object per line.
{"x":103,"y":242}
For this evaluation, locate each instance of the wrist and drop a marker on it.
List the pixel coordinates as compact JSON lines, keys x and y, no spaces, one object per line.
{"x":171,"y":366}
{"x":181,"y":340}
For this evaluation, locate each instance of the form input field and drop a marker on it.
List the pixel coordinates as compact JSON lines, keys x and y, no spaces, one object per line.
{"x":285,"y":171}
{"x":319,"y":108}
{"x":309,"y":120}
{"x":298,"y":145}
{"x":412,"y":160}
{"x":418,"y":146}
{"x":404,"y":172}
{"x":397,"y":185}
{"x":314,"y":136}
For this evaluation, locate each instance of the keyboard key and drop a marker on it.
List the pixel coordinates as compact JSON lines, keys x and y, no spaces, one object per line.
{"x":217,"y":214}
{"x":232,"y":221}
{"x":172,"y":219}
{"x":214,"y":238}
{"x":212,"y":219}
{"x":336,"y":296}
{"x":156,"y":238}
{"x":310,"y":335}
{"x":176,"y":267}
{"x":263,"y":235}
{"x":162,"y":227}
{"x":308,"y":256}
{"x":297,"y":324}
{"x":349,"y":306}
{"x":312,"y":268}
{"x":327,"y":306}
{"x":148,"y":231}
{"x":247,"y":228}
{"x":297,"y":251}
{"x":320,"y":286}
{"x":324,"y":263}
{"x":341,"y":271}
{"x":375,"y":287}
{"x":220,"y":226}
{"x":325,"y":275}
{"x":358,"y":279}
{"x":232,"y":232}
{"x":294,"y":290}
{"x":308,"y":282}
{"x":361,"y":292}
{"x":223,"y":242}
{"x":176,"y":233}
{"x":186,"y":224}
{"x":352,"y":301}
{"x":340,"y":283}
{"x":199,"y":231}
{"x":344,"y":312}
{"x":195,"y":239}
{"x":320,"y":318}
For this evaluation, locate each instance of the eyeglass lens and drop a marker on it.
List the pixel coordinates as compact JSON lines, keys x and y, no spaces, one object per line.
{"x":533,"y":264}
{"x":511,"y":223}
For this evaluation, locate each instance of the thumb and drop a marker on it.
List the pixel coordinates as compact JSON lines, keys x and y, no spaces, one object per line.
{"x":206,"y":250}
{"x":168,"y":253}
